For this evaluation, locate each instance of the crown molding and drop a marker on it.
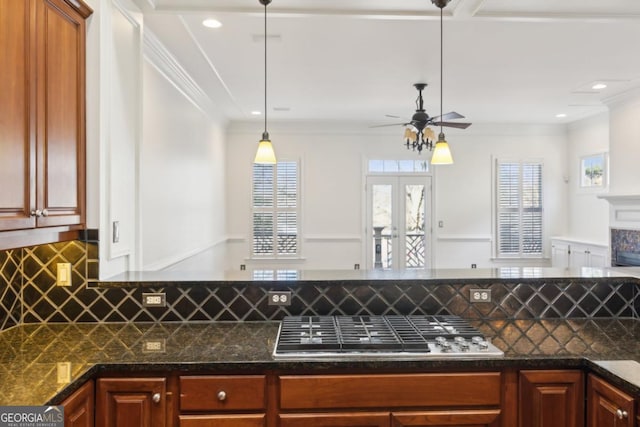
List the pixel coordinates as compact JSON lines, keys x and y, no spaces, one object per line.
{"x":163,"y":60}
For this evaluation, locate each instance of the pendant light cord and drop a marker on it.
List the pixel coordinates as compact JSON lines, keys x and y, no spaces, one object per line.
{"x":265,"y":67}
{"x":441,"y":72}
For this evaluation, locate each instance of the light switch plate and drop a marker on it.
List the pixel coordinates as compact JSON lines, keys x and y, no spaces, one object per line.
{"x":63,"y":274}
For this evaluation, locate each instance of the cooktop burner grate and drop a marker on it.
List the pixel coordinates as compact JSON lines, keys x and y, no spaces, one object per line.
{"x":376,"y":335}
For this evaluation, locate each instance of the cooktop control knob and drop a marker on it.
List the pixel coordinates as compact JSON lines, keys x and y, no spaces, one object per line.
{"x":445,"y":347}
{"x":477,"y":340}
{"x":483,"y":345}
{"x":440,"y":340}
{"x":464,"y":346}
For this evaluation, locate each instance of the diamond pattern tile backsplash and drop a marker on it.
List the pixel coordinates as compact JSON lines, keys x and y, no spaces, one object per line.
{"x":28,"y":294}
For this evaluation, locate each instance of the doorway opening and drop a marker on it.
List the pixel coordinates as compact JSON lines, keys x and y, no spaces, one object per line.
{"x":398,"y":230}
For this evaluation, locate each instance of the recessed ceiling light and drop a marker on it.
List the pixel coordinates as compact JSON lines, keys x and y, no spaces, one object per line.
{"x":561,"y":115}
{"x":599,"y":86}
{"x":212,"y":23}
{"x":256,"y":113}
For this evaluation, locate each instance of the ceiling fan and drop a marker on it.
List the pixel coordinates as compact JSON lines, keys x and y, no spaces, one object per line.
{"x":421,"y":119}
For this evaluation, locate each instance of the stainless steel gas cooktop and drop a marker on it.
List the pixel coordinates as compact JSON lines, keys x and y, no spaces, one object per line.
{"x":381,"y":336}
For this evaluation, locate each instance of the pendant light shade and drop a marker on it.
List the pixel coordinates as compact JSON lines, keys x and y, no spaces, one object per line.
{"x":441,"y":152}
{"x":265,"y":153}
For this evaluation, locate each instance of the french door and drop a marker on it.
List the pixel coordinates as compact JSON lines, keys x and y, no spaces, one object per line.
{"x":398,"y":228}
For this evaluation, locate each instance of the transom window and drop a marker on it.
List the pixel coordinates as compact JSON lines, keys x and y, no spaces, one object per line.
{"x":519,"y":208}
{"x":398,"y":166}
{"x":275,"y":210}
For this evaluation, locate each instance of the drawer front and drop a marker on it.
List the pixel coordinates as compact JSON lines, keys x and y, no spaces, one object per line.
{"x":222,"y":393}
{"x":256,"y":420}
{"x":389,"y":391}
{"x":348,"y":419}
{"x":472,"y":418}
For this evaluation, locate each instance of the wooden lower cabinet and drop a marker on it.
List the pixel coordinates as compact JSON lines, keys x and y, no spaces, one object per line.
{"x":223,"y":401}
{"x":79,"y":407}
{"x":355,"y":419}
{"x":229,"y":420}
{"x":443,"y":399}
{"x":608,"y":406}
{"x":456,"y":417}
{"x":551,"y":398}
{"x":131,"y":402}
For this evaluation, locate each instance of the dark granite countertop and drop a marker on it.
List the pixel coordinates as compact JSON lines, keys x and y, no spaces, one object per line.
{"x":41,"y":364}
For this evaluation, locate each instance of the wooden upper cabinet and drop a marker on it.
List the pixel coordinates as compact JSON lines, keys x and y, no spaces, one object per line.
{"x":60,"y":114}
{"x":17,"y":117}
{"x":42,"y":114}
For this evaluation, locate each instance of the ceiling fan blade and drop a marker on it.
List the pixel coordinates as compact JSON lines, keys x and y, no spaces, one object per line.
{"x":452,"y":124}
{"x":392,"y":116}
{"x":448,"y":116}
{"x":390,"y":124}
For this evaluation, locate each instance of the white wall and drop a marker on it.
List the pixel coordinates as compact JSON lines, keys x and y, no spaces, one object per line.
{"x":624,"y":143}
{"x":333,"y":155}
{"x":155,"y":153}
{"x":588,"y":215}
{"x":182,"y":189}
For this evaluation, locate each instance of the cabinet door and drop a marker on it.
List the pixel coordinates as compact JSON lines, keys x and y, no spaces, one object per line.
{"x":60,"y":132}
{"x":78,"y":408}
{"x":131,"y":402}
{"x":559,"y":254}
{"x":551,"y":399}
{"x":244,"y":420}
{"x":17,"y":108}
{"x":347,"y":419}
{"x":454,"y":417}
{"x":607,"y":406}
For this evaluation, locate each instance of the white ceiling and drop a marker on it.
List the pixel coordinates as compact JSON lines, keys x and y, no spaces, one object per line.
{"x":517,"y":61}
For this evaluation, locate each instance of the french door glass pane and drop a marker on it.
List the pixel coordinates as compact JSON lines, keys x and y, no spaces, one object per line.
{"x":382,"y":215}
{"x":414,"y":225}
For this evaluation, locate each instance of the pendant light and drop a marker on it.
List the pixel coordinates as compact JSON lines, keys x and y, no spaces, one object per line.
{"x":265,"y":153}
{"x":441,"y":152}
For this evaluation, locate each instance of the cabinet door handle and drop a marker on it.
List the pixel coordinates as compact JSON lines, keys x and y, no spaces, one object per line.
{"x":621,"y":414}
{"x":36,"y":212}
{"x":156,"y":397}
{"x":222,"y":396}
{"x":45,"y":212}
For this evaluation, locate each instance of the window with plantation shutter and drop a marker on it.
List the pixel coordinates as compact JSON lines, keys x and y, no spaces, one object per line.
{"x":519,"y":209}
{"x":275,"y":209}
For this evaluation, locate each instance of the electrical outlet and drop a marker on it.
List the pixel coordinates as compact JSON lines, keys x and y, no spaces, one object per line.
{"x":480,"y":295}
{"x":282,"y":298}
{"x":63,"y":274}
{"x":158,"y":345}
{"x":356,"y":266}
{"x":158,"y":299}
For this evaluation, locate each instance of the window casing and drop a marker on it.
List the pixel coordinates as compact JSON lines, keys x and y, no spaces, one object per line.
{"x":519,"y":210}
{"x":275,"y":210}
